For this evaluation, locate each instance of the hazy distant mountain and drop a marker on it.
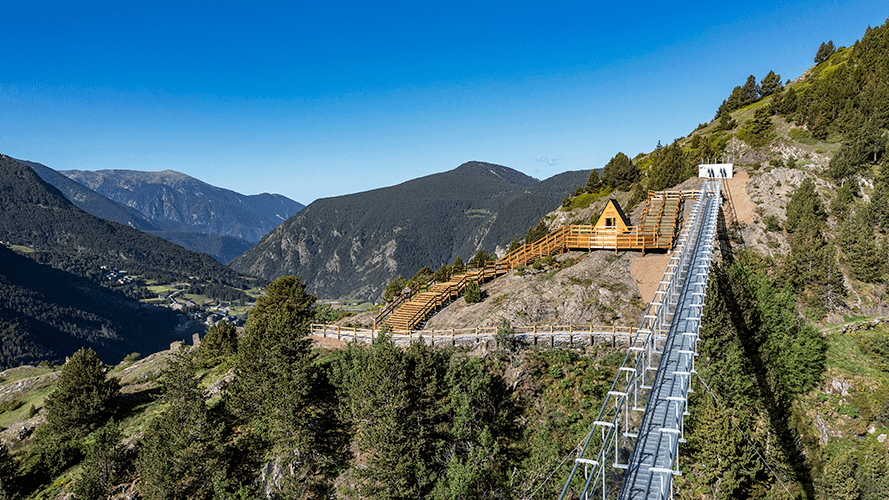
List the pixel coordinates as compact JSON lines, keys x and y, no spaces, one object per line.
{"x":355,"y":244}
{"x":92,"y":202}
{"x":220,"y":247}
{"x":181,"y":203}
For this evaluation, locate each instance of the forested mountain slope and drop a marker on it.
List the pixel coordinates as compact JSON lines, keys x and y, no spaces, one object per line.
{"x":90,"y":201}
{"x":47,"y":314}
{"x":354,"y":244}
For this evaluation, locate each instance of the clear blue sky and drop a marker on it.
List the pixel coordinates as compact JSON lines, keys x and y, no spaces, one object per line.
{"x":317,"y":99}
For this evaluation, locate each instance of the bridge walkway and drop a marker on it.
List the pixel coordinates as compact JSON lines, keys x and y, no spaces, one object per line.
{"x":653,"y":461}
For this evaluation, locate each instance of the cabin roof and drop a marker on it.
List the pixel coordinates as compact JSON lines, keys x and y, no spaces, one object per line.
{"x":620,"y":212}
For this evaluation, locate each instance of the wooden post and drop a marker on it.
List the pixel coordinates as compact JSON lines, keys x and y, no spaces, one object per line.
{"x":338,"y":332}
{"x":591,"y":335}
{"x":476,"y":335}
{"x":570,"y":337}
{"x":552,"y":342}
{"x":613,"y":339}
{"x":433,"y":338}
{"x":452,"y":338}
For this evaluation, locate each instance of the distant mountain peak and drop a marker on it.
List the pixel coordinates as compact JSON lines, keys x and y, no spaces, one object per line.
{"x":492,"y":170}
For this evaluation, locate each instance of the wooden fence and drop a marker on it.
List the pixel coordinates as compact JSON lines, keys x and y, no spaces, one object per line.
{"x":549,"y":335}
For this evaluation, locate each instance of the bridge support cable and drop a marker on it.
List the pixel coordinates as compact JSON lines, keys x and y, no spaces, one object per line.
{"x":606,"y":450}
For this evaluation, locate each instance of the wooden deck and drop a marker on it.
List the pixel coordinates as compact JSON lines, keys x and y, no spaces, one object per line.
{"x":656,"y":231}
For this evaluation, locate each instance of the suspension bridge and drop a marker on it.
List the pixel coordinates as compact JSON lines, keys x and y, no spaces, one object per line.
{"x":632,"y":450}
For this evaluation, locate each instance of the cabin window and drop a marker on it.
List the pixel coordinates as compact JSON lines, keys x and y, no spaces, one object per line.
{"x":609,"y":221}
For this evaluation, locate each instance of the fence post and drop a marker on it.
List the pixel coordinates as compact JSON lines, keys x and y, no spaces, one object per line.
{"x":433,"y":337}
{"x":452,"y":338}
{"x":613,"y":339}
{"x":570,"y":337}
{"x":337,"y":332}
{"x":476,"y":335}
{"x":552,"y":342}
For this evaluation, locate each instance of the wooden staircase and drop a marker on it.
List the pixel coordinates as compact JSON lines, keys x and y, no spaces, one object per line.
{"x":660,"y":217}
{"x":656,"y":230}
{"x":422,"y":304}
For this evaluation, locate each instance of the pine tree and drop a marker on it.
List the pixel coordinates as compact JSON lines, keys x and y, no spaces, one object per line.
{"x":619,"y":172}
{"x":811,"y":268}
{"x":866,"y":259}
{"x":220,"y":343}
{"x":750,"y":91}
{"x":804,"y":206}
{"x":458,"y":266}
{"x":593,"y":183}
{"x":474,"y":468}
{"x":725,"y":463}
{"x":473,"y":293}
{"x":825,"y":50}
{"x":181,"y":451}
{"x":838,"y":479}
{"x":84,"y":396}
{"x":670,"y":168}
{"x":274,"y":382}
{"x":382,"y":402}
{"x":9,"y":472}
{"x":537,"y":232}
{"x":770,"y":84}
{"x":103,"y":466}
{"x":514,"y":245}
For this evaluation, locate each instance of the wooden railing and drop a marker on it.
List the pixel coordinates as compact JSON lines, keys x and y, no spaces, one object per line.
{"x":453,"y":336}
{"x":453,"y":289}
{"x":570,"y":237}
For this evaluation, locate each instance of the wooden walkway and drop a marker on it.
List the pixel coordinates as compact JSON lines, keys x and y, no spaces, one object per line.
{"x":656,"y":231}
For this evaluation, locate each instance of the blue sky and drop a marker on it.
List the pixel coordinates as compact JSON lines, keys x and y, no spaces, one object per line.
{"x":318,"y":99}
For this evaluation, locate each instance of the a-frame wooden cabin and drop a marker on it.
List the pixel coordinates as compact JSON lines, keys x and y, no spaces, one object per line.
{"x":613,"y":218}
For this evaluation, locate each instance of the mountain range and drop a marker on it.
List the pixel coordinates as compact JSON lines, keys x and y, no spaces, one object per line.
{"x":354,"y":245}
{"x":174,"y":206}
{"x":34,"y":213}
{"x":185,"y":204}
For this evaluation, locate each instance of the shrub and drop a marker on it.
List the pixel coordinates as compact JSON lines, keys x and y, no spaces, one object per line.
{"x":772,"y":223}
{"x":473,"y":293}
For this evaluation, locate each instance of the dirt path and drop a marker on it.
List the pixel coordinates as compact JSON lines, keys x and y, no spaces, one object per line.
{"x":743,"y":206}
{"x":648,"y":271}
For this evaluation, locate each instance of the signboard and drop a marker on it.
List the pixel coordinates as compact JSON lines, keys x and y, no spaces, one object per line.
{"x":716,"y":171}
